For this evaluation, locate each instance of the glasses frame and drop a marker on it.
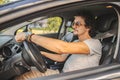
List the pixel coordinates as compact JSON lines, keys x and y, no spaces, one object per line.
{"x":77,"y":24}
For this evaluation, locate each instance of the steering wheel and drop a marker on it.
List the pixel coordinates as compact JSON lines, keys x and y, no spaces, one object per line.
{"x":33,"y":57}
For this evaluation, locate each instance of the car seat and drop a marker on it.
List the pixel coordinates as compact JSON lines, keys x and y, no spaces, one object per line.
{"x":107,"y":28}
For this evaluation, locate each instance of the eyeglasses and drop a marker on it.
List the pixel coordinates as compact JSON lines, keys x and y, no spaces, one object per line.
{"x":77,"y":24}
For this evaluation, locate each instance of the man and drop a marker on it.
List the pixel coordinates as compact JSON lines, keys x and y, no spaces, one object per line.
{"x":86,"y":52}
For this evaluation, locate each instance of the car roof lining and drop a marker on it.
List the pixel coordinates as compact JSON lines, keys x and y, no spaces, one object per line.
{"x":66,"y":12}
{"x":97,"y":10}
{"x":63,"y":8}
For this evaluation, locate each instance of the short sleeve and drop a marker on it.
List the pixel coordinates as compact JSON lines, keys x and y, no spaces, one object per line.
{"x":94,"y":45}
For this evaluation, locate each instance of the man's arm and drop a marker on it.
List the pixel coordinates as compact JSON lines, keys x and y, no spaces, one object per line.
{"x":60,"y":46}
{"x":55,"y":57}
{"x":57,"y":46}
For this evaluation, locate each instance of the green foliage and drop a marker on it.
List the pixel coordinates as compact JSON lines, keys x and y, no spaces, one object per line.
{"x":4,"y":2}
{"x":70,"y":29}
{"x":53,"y":24}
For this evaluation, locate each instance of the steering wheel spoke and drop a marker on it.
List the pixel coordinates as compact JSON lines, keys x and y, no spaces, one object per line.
{"x":33,"y":57}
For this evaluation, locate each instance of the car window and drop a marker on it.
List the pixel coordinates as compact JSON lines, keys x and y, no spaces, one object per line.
{"x":44,"y":26}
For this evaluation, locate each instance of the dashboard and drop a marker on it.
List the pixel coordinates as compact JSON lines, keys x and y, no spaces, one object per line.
{"x":8,"y":47}
{"x":13,"y":56}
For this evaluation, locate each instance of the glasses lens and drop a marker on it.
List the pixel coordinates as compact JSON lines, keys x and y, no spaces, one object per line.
{"x":76,"y":24}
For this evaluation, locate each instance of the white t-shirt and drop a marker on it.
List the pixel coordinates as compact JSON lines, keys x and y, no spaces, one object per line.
{"x":82,"y":61}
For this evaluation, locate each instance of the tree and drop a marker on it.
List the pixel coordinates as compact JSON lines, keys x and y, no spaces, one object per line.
{"x":4,"y":2}
{"x":54,"y":23}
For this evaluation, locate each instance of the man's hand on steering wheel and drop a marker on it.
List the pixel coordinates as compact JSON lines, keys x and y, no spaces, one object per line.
{"x":23,"y":36}
{"x":31,"y":53}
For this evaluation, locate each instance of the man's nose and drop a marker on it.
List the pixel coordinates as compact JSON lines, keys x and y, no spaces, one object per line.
{"x":73,"y":26}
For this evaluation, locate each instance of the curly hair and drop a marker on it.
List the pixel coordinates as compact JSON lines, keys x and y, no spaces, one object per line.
{"x":89,"y":21}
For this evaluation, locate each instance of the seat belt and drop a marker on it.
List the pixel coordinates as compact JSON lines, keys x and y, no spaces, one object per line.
{"x":112,"y":44}
{"x":109,"y":57}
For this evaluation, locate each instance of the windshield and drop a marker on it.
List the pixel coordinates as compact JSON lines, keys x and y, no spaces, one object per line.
{"x":3,"y":2}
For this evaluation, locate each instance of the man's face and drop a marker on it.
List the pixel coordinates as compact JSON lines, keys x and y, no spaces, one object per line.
{"x":79,"y":26}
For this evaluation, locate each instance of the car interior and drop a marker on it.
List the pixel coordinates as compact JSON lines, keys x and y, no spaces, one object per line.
{"x":106,"y":24}
{"x":109,"y":42}
{"x":106,"y":31}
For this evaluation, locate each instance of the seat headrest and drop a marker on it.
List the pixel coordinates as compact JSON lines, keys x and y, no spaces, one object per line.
{"x":103,"y":23}
{"x":68,"y":37}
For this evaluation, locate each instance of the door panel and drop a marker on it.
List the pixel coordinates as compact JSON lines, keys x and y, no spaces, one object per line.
{"x":103,"y":72}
